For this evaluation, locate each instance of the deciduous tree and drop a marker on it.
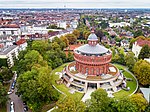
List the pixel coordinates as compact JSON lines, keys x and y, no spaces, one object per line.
{"x":145,"y":52}
{"x":3,"y":95}
{"x":99,"y":102}
{"x":70,"y":104}
{"x":141,"y":70}
{"x":139,"y":101}
{"x":71,"y":37}
{"x":76,"y":33}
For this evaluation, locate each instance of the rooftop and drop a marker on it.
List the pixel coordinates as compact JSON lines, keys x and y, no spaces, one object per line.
{"x":142,"y":42}
{"x":88,"y":49}
{"x":7,"y":50}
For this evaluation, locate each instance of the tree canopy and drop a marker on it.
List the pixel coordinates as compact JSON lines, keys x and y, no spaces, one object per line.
{"x":3,"y":95}
{"x":141,"y":70}
{"x":139,"y":101}
{"x":70,"y":104}
{"x":130,"y":60}
{"x":99,"y":102}
{"x":145,"y":52}
{"x":72,"y":38}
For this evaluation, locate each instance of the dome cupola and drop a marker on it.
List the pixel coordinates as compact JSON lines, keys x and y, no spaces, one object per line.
{"x":92,"y":39}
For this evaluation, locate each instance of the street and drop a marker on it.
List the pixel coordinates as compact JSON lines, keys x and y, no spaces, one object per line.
{"x":18,"y":104}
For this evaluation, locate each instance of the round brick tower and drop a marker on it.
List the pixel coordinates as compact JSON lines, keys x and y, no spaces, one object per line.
{"x":92,"y":59}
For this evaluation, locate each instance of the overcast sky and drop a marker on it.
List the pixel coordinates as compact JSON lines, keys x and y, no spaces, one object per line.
{"x":75,"y":3}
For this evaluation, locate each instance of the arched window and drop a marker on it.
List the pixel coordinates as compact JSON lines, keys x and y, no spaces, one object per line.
{"x":87,"y":70}
{"x":92,"y":71}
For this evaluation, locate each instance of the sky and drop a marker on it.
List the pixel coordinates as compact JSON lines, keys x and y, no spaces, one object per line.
{"x":74,"y":3}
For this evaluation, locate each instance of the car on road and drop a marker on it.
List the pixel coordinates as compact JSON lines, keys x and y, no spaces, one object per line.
{"x":12,"y":106}
{"x":13,"y":84}
{"x":25,"y":109}
{"x":10,"y":92}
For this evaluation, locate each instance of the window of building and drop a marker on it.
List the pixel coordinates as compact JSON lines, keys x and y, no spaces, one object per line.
{"x":4,"y":33}
{"x":12,"y":32}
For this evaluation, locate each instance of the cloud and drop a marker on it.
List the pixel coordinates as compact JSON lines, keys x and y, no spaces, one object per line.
{"x":74,"y":3}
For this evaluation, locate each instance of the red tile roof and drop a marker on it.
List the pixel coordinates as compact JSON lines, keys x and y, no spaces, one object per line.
{"x":141,"y":42}
{"x":72,"y":47}
{"x":21,"y":41}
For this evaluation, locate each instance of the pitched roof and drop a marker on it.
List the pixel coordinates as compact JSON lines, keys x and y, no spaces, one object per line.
{"x":141,"y":42}
{"x":21,"y":41}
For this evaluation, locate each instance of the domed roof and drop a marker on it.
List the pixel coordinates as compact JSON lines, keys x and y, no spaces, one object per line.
{"x":93,"y":37}
{"x":88,"y":49}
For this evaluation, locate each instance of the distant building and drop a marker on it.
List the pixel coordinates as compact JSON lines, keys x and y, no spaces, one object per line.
{"x":124,"y":43}
{"x":137,"y":46}
{"x":62,"y":24}
{"x":121,"y":24}
{"x":10,"y":30}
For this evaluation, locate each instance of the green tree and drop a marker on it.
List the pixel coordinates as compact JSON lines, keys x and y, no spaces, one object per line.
{"x":61,"y":44}
{"x":35,"y":87}
{"x":70,"y":57}
{"x":55,"y":46}
{"x":33,"y":57}
{"x":6,"y":73}
{"x":99,"y":102}
{"x":125,"y":105}
{"x":87,"y":34}
{"x":40,"y":46}
{"x":141,"y":70}
{"x":3,"y":95}
{"x":119,"y":56}
{"x":139,"y":101}
{"x":70,"y":104}
{"x":138,"y":33}
{"x":71,"y":37}
{"x":64,"y":39}
{"x":76,"y":33}
{"x":145,"y":52}
{"x":104,"y":24}
{"x":99,"y":34}
{"x":130,"y":60}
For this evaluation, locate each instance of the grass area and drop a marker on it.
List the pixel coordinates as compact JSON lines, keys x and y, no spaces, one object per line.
{"x":131,"y":84}
{"x":120,"y":94}
{"x":62,"y":87}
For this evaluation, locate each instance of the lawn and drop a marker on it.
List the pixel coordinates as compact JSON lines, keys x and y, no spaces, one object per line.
{"x":120,"y":94}
{"x":131,"y":84}
{"x":62,"y":87}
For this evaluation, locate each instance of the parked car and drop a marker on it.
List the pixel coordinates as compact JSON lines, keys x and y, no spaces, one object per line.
{"x":13,"y":85}
{"x":25,"y":108}
{"x":12,"y":106}
{"x":10,"y":92}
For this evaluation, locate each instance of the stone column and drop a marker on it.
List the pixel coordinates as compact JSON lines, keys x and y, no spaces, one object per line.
{"x":85,"y":87}
{"x":98,"y":85}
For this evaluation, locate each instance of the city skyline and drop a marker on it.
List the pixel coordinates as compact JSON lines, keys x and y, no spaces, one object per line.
{"x":74,"y":4}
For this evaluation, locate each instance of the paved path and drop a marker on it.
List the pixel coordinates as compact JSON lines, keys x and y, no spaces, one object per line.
{"x":88,"y":94}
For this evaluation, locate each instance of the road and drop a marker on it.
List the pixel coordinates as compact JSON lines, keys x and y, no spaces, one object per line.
{"x":17,"y":101}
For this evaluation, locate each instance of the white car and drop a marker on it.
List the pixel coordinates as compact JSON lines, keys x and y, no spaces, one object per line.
{"x":12,"y":106}
{"x":9,"y":92}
